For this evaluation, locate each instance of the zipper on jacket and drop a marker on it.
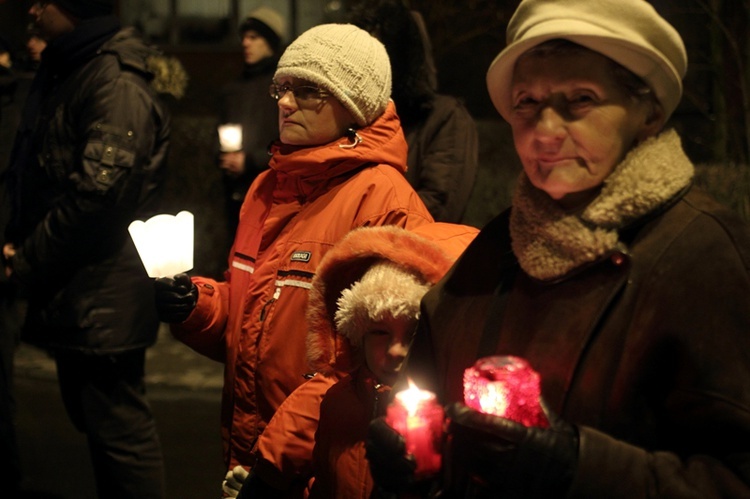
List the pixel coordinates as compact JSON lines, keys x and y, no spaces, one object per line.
{"x":269,"y":302}
{"x":376,"y":402}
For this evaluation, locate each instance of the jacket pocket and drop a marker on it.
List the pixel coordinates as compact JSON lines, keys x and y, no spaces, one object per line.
{"x":106,"y":158}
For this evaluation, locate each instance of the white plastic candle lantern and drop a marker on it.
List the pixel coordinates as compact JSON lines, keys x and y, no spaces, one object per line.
{"x":230,"y":137}
{"x":164,"y":243}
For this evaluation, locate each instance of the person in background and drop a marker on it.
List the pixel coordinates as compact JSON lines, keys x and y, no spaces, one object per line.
{"x":339,"y":165}
{"x":245,"y":102}
{"x":89,"y":158}
{"x":442,"y":135}
{"x":10,"y":471}
{"x":623,"y":285}
{"x":35,"y":44}
{"x":362,"y":310}
{"x":8,"y":100}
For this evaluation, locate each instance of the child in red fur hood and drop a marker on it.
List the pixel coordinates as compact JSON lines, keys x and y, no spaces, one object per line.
{"x":363,"y":309}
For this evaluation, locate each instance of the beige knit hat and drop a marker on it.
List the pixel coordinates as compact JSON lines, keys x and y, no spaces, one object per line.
{"x":346,"y":61}
{"x":630,"y":32}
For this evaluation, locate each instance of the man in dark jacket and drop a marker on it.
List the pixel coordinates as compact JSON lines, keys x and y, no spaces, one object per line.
{"x":88,"y":159}
{"x":245,"y":102}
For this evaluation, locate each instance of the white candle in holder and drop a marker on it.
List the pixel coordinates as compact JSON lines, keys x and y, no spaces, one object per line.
{"x":230,"y":137}
{"x":164,"y":243}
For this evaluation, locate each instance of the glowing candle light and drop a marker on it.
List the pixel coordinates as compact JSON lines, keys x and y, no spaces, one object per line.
{"x":505,"y":386}
{"x":418,"y":417}
{"x":230,"y":137}
{"x":164,"y":243}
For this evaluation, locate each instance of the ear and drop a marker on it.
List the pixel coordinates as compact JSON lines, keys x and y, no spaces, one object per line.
{"x":654,"y":122}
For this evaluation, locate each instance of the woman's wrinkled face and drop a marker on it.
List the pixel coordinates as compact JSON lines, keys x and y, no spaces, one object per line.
{"x":310,"y":121}
{"x":385,"y":345}
{"x":573,"y":124}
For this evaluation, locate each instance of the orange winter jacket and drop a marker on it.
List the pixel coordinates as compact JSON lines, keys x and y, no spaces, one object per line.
{"x":293,"y":214}
{"x":331,"y":412}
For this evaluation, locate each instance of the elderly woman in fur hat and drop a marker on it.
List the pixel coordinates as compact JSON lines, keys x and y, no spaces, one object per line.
{"x":621,"y":283}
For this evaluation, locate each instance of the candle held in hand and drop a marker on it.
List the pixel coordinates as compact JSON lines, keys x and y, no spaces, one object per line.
{"x":505,"y":386}
{"x":230,"y":137}
{"x":417,"y":416}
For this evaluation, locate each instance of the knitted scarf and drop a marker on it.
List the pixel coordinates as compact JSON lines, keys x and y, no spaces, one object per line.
{"x":549,"y":243}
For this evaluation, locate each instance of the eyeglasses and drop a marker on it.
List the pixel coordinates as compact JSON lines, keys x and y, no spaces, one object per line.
{"x":302,"y":93}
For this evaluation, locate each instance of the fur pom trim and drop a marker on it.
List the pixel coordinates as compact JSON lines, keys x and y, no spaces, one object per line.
{"x":419,"y":253}
{"x":549,"y":242}
{"x":385,"y":290}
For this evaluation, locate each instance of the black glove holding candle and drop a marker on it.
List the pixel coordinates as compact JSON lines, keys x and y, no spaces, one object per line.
{"x":492,"y":456}
{"x":391,"y":467}
{"x":404,"y":448}
{"x":505,"y":442}
{"x":175,"y":297}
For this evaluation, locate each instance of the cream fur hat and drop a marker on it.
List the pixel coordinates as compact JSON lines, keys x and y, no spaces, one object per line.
{"x":346,"y":61}
{"x":630,"y":32}
{"x":385,"y":290}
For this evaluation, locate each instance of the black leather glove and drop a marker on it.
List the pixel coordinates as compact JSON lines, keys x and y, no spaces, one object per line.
{"x":490,"y":456}
{"x":255,"y":487}
{"x":175,"y":298}
{"x":391,"y":468}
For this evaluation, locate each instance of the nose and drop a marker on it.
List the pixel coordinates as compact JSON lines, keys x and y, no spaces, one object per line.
{"x":551,"y":124}
{"x":287,"y":101}
{"x":398,"y":349}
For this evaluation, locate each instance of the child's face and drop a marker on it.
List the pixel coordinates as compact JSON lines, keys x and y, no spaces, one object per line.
{"x":385,"y":345}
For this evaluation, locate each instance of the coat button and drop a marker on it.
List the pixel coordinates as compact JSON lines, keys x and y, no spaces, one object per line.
{"x":617,"y":258}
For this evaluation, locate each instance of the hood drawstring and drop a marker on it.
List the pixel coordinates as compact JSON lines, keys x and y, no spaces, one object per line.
{"x":352,"y":134}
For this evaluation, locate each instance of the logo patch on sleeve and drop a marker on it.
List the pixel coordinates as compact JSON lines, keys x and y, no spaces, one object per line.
{"x":301,"y":256}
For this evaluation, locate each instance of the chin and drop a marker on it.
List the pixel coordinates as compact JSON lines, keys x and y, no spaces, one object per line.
{"x":388,"y":379}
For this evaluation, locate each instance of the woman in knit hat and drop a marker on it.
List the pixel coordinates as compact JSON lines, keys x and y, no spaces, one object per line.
{"x":620,"y":282}
{"x":339,"y":165}
{"x":362,"y":312}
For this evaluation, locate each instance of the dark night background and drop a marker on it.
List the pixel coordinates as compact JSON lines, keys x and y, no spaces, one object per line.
{"x":184,"y":387}
{"x":466,"y":36}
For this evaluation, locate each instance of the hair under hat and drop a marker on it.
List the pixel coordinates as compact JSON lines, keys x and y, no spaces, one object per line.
{"x":268,"y":23}
{"x":630,"y":32}
{"x":86,"y":9}
{"x":346,"y":61}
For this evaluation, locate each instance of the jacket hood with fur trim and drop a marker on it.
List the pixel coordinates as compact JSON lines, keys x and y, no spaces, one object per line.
{"x":428,"y":251}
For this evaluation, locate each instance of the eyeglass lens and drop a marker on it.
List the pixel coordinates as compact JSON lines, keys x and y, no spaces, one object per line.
{"x":301,"y":92}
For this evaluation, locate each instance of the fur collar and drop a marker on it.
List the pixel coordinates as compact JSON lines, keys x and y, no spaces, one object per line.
{"x":549,"y":243}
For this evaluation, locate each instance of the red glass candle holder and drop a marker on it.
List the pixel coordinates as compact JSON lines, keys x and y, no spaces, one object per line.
{"x":418,"y":417}
{"x":505,"y":386}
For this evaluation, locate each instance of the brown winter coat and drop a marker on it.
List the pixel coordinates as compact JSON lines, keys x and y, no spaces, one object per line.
{"x":644,"y":349}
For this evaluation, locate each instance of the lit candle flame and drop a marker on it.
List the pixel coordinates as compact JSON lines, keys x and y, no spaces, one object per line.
{"x":413,"y":397}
